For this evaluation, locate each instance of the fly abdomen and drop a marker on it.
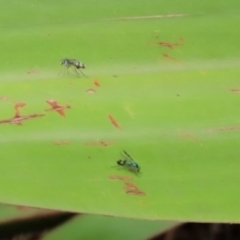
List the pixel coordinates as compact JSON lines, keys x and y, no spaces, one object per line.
{"x":80,"y":65}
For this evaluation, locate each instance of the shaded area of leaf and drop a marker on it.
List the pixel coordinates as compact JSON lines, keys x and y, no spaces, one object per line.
{"x":33,"y":228}
{"x":201,"y":231}
{"x":106,"y":228}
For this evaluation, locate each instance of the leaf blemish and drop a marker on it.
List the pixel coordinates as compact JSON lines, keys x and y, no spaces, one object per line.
{"x":236,"y":91}
{"x":169,"y":57}
{"x":3,"y":98}
{"x":56,"y":107}
{"x":97,"y":83}
{"x":132,"y":189}
{"x":18,"y":119}
{"x":171,"y":45}
{"x":114,"y":122}
{"x":233,"y":128}
{"x":91,"y":90}
{"x":129,"y":187}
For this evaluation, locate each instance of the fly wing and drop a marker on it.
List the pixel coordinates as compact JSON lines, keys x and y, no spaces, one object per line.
{"x":128,"y":156}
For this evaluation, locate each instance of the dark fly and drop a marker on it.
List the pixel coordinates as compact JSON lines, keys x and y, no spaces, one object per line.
{"x":128,"y":162}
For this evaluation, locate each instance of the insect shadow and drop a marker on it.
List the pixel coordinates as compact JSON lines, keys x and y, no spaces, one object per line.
{"x":73,"y":64}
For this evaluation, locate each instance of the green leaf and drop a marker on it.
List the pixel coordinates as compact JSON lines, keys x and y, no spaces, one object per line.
{"x":171,"y":106}
{"x":80,"y":227}
{"x":92,"y":227}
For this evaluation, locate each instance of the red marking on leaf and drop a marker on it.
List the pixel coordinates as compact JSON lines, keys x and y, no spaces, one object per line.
{"x":114,"y":122}
{"x":18,"y":119}
{"x":90,"y":91}
{"x":132,"y":189}
{"x":116,"y":177}
{"x":129,"y":187}
{"x":169,"y":57}
{"x":56,"y":107}
{"x":97,"y":83}
{"x":17,"y":110}
{"x":139,"y":193}
{"x":171,"y":45}
{"x":165,"y":44}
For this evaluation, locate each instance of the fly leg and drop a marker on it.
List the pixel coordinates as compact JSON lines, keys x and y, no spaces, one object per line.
{"x":60,"y":72}
{"x":67,"y":70}
{"x":81,"y":73}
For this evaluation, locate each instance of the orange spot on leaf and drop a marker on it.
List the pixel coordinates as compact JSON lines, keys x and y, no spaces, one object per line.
{"x":171,"y":45}
{"x":56,"y":107}
{"x":17,"y":109}
{"x":18,"y":119}
{"x":114,"y":122}
{"x":129,"y":187}
{"x":97,"y":83}
{"x":165,"y":44}
{"x":132,"y":189}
